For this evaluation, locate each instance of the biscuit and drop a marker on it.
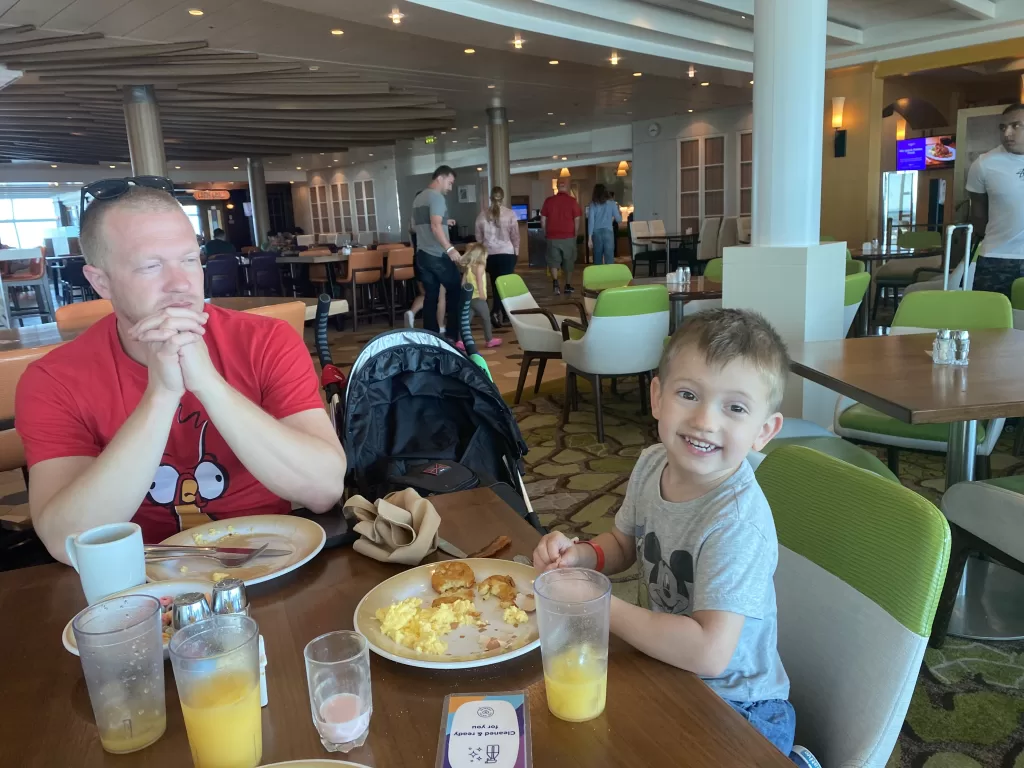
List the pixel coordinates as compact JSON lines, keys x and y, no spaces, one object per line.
{"x":501,"y":587}
{"x":452,"y":596}
{"x":450,"y":575}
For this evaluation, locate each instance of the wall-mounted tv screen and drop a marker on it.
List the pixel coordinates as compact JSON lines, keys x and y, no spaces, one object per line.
{"x":522,"y":212}
{"x":924,"y":154}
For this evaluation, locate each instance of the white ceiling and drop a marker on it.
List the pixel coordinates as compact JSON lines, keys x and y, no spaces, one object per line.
{"x":425,"y":52}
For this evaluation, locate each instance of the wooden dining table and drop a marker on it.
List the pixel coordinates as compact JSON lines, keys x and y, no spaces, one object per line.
{"x":895,"y":375}
{"x":655,"y":715}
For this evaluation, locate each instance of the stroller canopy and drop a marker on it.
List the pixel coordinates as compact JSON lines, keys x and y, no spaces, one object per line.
{"x":412,"y":397}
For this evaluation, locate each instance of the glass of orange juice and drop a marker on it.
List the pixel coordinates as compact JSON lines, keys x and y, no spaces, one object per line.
{"x":216,"y":670}
{"x":573,"y":612}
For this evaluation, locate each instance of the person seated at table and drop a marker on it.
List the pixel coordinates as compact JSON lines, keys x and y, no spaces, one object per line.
{"x":697,"y":522}
{"x":218,"y":245}
{"x":169,"y":412}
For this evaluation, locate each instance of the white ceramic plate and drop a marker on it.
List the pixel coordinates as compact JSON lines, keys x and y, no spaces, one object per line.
{"x":930,"y":149}
{"x":464,"y":649}
{"x":154,"y":589}
{"x":303,"y":537}
{"x":318,"y":763}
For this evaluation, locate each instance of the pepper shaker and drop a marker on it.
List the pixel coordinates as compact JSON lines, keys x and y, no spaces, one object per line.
{"x":189,"y":608}
{"x":943,"y":348}
{"x":229,"y":597}
{"x":963,"y":347}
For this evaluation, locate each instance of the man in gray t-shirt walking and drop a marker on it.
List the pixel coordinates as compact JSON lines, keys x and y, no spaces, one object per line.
{"x":435,"y":261}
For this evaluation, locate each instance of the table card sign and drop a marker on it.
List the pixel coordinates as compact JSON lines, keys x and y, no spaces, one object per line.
{"x":485,"y":729}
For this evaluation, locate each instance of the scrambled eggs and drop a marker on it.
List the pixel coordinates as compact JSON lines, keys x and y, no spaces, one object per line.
{"x":514,"y":616}
{"x":420,"y":629}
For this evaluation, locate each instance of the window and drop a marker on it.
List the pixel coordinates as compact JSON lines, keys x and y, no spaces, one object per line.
{"x":714,"y":176}
{"x":341,"y":208}
{"x":192,"y":211}
{"x":689,"y":185}
{"x":746,"y":172}
{"x":319,"y":208}
{"x":25,"y":221}
{"x":366,"y":207}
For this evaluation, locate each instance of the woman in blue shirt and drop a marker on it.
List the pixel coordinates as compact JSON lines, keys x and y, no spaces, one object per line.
{"x":601,"y":212}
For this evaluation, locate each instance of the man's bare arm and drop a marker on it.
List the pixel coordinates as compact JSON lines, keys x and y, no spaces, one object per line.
{"x":440,"y":230}
{"x":979,"y":214}
{"x":72,"y":494}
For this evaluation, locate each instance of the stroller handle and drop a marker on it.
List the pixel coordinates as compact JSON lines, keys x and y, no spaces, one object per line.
{"x":323,"y":307}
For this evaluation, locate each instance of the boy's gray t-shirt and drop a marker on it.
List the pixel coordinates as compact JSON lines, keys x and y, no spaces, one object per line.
{"x":715,"y":553}
{"x":428,"y":203}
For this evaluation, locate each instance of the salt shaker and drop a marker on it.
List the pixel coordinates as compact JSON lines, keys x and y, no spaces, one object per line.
{"x":963,"y":347}
{"x":229,"y":597}
{"x":943,"y":349}
{"x":686,"y":274}
{"x":188,"y":608}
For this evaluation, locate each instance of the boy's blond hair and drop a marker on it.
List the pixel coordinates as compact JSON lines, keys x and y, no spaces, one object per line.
{"x":724,"y":335}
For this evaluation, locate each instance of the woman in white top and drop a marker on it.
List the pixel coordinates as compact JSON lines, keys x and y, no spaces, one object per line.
{"x":498,"y":230}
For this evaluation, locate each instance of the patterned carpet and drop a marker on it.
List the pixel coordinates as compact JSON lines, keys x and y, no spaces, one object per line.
{"x":967,"y":708}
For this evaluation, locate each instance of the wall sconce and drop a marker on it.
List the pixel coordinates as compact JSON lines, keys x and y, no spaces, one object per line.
{"x":839,"y":145}
{"x":230,"y":206}
{"x":901,"y":128}
{"x":623,"y":168}
{"x":564,"y":173}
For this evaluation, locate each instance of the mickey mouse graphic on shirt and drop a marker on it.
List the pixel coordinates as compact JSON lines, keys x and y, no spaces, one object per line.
{"x":668,"y":585}
{"x":187,"y":491}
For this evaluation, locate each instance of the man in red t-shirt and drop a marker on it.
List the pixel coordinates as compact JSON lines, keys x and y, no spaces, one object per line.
{"x":560,"y":218}
{"x":169,"y":412}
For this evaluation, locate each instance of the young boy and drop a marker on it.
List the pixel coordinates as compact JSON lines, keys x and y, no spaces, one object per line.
{"x":697,"y":522}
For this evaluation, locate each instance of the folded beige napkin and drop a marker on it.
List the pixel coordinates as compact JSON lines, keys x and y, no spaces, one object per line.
{"x":400,"y":528}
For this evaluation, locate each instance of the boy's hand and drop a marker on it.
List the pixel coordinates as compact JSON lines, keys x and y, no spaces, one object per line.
{"x":555,"y":550}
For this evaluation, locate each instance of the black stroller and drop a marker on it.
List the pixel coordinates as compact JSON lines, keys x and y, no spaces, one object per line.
{"x":417,"y":413}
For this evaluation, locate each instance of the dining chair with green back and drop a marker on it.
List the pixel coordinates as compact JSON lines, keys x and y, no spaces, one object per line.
{"x":856,"y":287}
{"x":860,"y":569}
{"x":598,"y":277}
{"x":713,"y":270}
{"x":897,"y":274}
{"x":921,"y":312}
{"x":624,"y":337}
{"x":537,"y":329}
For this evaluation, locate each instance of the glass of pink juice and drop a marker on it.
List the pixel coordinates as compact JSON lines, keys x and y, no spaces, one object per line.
{"x":338,"y":675}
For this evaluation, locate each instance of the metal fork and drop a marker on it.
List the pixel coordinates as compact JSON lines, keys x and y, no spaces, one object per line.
{"x":226,"y":559}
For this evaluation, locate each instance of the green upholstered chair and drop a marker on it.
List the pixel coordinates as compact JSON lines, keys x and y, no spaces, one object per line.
{"x":537,"y":329}
{"x":856,"y":287}
{"x":921,"y":312}
{"x":861,"y":565}
{"x":598,"y":277}
{"x":713,"y":270}
{"x":625,"y":337}
{"x":854,"y":266}
{"x":985,"y":518}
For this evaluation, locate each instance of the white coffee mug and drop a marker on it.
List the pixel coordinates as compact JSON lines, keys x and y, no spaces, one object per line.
{"x":108,"y":558}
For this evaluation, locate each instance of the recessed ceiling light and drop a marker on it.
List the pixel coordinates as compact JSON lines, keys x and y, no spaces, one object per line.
{"x":470,"y":50}
{"x":371,"y":154}
{"x":751,"y":82}
{"x":195,"y":11}
{"x":475,"y":127}
{"x":689,"y":110}
{"x":553,"y":61}
{"x":337,"y":31}
{"x":455,"y":141}
{"x":113,"y":166}
{"x":454,"y":129}
{"x":235,"y":167}
{"x":396,"y":16}
{"x":479,"y":168}
{"x":705,"y":85}
{"x":518,"y":42}
{"x":492,"y":86}
{"x":561,"y":123}
{"x":614,"y":59}
{"x":177,"y":167}
{"x":77,"y":133}
{"x":554,"y":157}
{"x":511,"y":121}
{"x":291,"y":182}
{"x":629,"y":113}
{"x":321,"y":154}
{"x":550,"y":114}
{"x":742,"y":16}
{"x":444,"y":133}
{"x":298,"y":167}
{"x":314,"y":68}
{"x":691,"y":71}
{"x":53,"y":165}
{"x":638,"y":74}
{"x":565,"y":158}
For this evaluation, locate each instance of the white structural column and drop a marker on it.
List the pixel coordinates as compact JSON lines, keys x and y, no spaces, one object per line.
{"x":498,"y":164}
{"x":145,"y":136}
{"x":786,"y":274}
{"x":258,"y":198}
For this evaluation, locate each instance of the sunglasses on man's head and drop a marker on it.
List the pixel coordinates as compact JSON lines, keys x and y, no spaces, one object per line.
{"x":111,"y":189}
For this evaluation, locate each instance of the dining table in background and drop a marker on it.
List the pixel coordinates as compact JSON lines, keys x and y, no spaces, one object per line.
{"x":895,"y":375}
{"x":667,"y":239}
{"x":243,"y":303}
{"x":882,"y":255}
{"x":655,"y":715}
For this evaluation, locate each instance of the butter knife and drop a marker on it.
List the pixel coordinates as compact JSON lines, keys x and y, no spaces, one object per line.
{"x":450,"y":549}
{"x":168,"y":550}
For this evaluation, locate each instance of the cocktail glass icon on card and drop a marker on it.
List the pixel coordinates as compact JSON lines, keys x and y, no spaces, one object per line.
{"x":485,"y":730}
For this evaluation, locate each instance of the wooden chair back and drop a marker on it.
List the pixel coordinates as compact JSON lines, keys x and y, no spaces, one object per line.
{"x":12,"y":364}
{"x":365,"y":266}
{"x":78,"y":317}
{"x":400,"y":263}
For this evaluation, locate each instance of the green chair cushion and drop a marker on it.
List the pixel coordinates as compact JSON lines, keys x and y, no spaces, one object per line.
{"x":1013,"y":483}
{"x":884,"y":540}
{"x":713,"y":270}
{"x":865,"y":419}
{"x":841,"y":449}
{"x":854,"y":267}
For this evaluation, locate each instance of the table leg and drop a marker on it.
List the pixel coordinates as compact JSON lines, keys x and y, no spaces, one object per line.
{"x":675,"y":318}
{"x":960,"y":452}
{"x":989,"y":605}
{"x":865,"y":322}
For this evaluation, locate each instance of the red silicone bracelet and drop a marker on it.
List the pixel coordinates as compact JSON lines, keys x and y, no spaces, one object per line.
{"x":599,"y":565}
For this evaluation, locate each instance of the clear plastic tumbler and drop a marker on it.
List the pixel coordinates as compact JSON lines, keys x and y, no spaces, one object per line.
{"x":217,"y":672}
{"x":573,"y":612}
{"x":338,"y":675}
{"x":120,"y":642}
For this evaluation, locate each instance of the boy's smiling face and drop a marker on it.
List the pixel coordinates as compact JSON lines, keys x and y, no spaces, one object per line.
{"x":710,"y":417}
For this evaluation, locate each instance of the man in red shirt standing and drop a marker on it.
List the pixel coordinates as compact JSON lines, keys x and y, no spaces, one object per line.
{"x":560,"y":218}
{"x":169,"y":412}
